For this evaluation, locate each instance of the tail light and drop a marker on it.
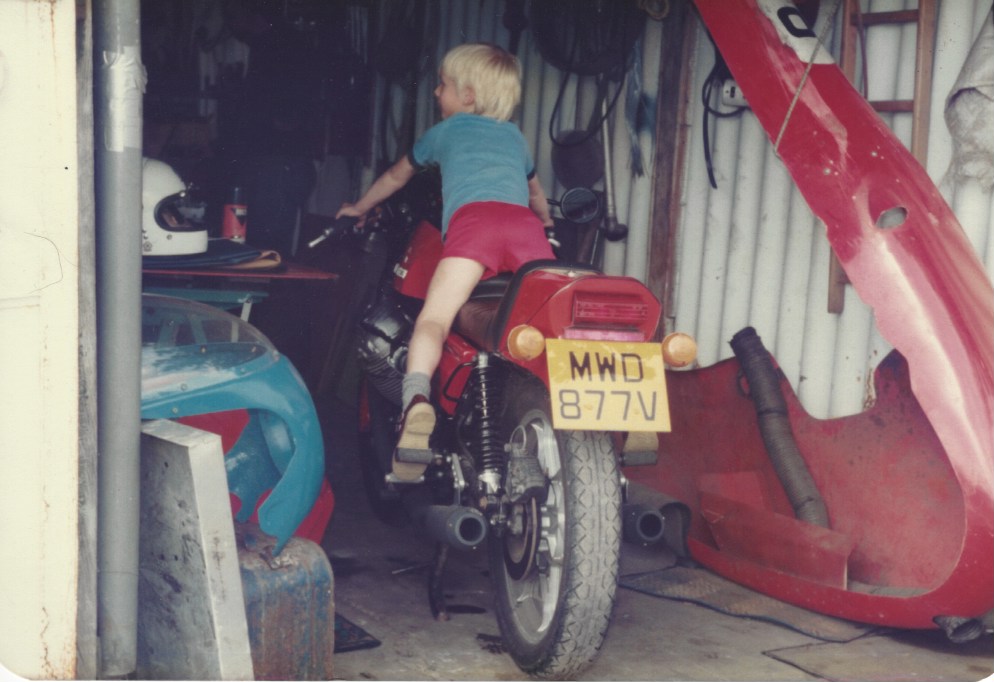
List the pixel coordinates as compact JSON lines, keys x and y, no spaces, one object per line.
{"x":607,"y":317}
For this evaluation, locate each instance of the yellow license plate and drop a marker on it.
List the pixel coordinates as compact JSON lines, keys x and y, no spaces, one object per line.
{"x":607,"y":385}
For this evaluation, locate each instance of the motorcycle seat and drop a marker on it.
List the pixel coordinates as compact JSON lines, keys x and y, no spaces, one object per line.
{"x":483,"y":318}
{"x":477,"y":315}
{"x":493,"y":288}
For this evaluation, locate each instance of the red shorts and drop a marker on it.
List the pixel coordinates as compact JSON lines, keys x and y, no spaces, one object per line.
{"x":500,"y":236}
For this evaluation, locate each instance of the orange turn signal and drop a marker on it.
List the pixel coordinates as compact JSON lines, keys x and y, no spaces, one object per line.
{"x":525,"y":342}
{"x":679,"y":349}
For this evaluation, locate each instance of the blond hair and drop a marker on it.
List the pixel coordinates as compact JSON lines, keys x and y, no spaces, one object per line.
{"x":492,"y":72}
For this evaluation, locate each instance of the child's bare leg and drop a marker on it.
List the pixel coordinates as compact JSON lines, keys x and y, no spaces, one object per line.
{"x":450,"y":287}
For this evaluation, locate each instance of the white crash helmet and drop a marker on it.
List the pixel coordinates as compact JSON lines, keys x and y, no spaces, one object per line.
{"x":172,"y":218}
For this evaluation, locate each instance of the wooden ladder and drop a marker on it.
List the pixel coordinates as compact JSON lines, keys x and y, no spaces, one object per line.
{"x":854,"y":21}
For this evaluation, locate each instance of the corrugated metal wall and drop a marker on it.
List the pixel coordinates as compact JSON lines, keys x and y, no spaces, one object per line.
{"x":452,"y":22}
{"x":749,"y":252}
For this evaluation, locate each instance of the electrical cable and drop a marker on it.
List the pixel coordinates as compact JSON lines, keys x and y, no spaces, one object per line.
{"x":656,"y":14}
{"x":718,"y":74}
{"x":601,"y":81}
{"x":592,"y":128}
{"x":607,"y":49}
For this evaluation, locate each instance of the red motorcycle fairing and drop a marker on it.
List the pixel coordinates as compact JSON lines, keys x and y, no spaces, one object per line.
{"x":412,"y":274}
{"x":897,"y":510}
{"x":932,"y":301}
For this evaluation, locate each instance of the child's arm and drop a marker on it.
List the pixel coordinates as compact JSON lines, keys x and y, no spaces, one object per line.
{"x":383,"y":188}
{"x":538,"y":202}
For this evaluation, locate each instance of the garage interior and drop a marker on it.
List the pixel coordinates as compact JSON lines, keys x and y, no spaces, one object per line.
{"x":675,"y":237}
{"x":701,"y":205}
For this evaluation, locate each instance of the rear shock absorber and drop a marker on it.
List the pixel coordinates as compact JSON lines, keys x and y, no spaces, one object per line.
{"x":489,"y":445}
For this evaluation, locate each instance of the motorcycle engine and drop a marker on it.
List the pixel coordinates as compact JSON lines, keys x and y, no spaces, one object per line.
{"x":383,"y":336}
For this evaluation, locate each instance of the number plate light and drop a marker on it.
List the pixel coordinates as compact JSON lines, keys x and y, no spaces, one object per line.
{"x":600,"y":334}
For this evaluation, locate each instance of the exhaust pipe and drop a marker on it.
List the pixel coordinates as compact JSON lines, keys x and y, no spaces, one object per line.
{"x":961,"y":630}
{"x":641,"y":525}
{"x":775,"y":429}
{"x":457,"y":526}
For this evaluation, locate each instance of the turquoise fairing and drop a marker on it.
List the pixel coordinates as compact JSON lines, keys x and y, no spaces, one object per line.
{"x":198,"y":360}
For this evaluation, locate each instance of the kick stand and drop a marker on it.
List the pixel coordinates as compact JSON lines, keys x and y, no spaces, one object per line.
{"x":436,"y":593}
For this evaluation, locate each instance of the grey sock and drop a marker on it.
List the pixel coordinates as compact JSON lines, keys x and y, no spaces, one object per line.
{"x":415,"y":383}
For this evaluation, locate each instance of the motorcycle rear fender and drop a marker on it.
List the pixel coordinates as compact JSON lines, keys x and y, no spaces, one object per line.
{"x":546,"y":302}
{"x":544,"y":298}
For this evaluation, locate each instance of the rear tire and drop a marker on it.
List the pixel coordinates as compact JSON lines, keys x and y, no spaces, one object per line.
{"x":555,"y":576}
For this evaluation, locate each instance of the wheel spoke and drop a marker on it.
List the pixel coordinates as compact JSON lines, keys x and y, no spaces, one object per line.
{"x":535,"y":593}
{"x":548,"y":449}
{"x":532,"y":602}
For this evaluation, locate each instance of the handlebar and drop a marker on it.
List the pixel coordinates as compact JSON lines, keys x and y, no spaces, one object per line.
{"x":578,"y":205}
{"x":341,"y":226}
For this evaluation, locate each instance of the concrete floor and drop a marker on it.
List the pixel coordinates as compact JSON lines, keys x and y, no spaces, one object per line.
{"x":381,"y":576}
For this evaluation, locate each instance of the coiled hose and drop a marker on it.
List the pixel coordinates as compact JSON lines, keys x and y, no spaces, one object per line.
{"x":774,"y":427}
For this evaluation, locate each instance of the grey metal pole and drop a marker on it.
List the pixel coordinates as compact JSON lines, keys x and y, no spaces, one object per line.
{"x":120,"y":84}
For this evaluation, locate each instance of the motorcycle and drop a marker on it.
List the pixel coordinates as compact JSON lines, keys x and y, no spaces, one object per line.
{"x":549,"y":382}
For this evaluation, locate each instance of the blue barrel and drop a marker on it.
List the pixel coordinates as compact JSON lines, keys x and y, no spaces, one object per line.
{"x":289,"y":605}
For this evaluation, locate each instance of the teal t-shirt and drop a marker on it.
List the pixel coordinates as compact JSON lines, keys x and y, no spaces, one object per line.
{"x":480,"y":158}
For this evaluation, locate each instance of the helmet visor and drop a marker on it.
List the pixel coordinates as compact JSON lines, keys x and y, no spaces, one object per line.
{"x":181,"y":212}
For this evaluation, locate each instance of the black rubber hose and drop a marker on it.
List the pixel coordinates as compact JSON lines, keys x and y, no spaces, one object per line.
{"x":774,"y":426}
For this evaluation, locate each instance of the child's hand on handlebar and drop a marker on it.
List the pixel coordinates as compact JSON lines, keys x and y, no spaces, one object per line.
{"x":347,"y":220}
{"x":350,"y":211}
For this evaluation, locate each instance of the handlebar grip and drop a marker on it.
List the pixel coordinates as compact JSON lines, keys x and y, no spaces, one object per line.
{"x":341,"y":226}
{"x":613,"y":230}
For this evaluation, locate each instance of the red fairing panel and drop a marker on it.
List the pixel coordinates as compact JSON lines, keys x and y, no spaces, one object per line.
{"x":931,"y":296}
{"x":413,"y":274}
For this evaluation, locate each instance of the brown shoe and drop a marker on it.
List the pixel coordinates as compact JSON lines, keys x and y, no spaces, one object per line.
{"x":413,"y":453}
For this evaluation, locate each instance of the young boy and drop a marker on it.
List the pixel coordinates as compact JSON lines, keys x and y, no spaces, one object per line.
{"x":494,"y":209}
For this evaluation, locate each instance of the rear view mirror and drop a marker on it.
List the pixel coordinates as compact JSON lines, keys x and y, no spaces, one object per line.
{"x":580,"y":205}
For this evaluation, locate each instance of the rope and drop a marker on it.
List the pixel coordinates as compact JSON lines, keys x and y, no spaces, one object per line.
{"x":804,"y":78}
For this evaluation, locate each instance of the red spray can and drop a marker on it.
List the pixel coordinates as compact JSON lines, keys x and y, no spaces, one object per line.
{"x":235,"y":216}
